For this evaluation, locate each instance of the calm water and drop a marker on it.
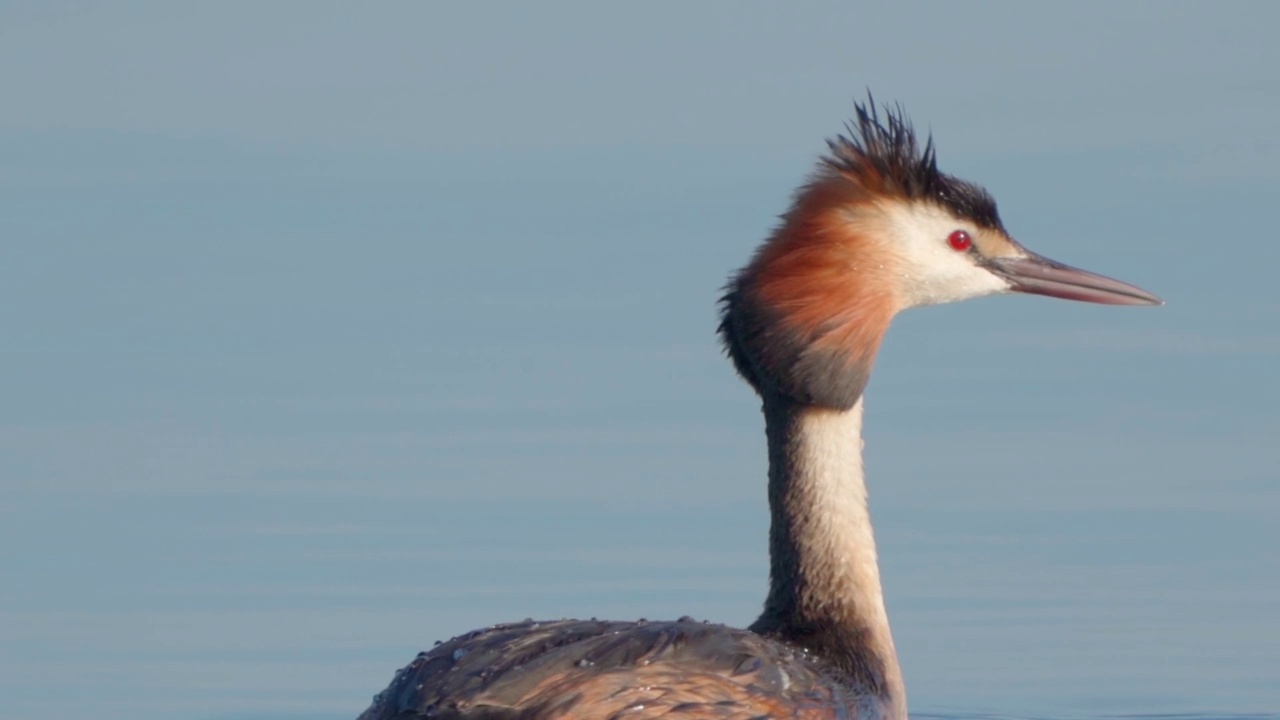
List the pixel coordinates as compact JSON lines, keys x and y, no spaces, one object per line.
{"x":249,"y":477}
{"x":250,"y":474}
{"x":263,"y":607}
{"x":382,"y":327}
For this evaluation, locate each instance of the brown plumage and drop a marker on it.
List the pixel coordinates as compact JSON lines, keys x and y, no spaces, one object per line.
{"x":877,"y":229}
{"x":598,"y":669}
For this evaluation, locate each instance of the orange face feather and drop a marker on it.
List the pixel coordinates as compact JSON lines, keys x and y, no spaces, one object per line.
{"x":824,"y":275}
{"x":805,"y":318}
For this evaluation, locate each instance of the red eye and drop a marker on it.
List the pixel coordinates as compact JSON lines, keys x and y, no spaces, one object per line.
{"x":960,"y":240}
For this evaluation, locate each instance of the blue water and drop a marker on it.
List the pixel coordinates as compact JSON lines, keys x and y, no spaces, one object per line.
{"x":380,"y":328}
{"x":233,"y":606}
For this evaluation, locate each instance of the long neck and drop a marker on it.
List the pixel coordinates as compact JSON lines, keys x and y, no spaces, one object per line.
{"x":824,"y":582}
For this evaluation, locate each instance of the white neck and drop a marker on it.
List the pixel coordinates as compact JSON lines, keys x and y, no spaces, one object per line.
{"x":825,"y":592}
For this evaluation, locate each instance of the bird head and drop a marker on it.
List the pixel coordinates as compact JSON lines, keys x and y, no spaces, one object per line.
{"x":876,"y":229}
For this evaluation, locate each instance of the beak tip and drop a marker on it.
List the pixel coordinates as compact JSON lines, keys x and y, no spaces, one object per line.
{"x":1151,"y":300}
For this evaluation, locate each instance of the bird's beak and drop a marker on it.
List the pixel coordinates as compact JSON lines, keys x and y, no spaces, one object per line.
{"x":1042,"y":276}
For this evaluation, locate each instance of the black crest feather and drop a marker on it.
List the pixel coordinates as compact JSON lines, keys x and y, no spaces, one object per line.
{"x":889,"y":152}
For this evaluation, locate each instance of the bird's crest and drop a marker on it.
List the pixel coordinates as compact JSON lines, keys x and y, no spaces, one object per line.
{"x":885,"y":158}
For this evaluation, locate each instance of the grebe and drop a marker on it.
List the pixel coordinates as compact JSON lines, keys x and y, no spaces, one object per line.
{"x":875,"y":230}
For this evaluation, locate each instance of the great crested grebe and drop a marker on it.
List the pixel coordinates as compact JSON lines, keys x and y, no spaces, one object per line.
{"x":877,"y":229}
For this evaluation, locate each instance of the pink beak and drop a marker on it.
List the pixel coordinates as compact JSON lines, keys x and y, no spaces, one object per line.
{"x":1041,"y":276}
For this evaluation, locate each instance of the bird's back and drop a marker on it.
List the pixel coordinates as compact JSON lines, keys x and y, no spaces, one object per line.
{"x":596,"y":669}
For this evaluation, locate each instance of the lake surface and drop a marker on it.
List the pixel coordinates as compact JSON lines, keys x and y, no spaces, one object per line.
{"x":221,"y":606}
{"x":381,"y":327}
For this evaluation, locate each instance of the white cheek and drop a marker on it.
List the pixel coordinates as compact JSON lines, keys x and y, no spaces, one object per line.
{"x":932,"y":272}
{"x":949,"y":276}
